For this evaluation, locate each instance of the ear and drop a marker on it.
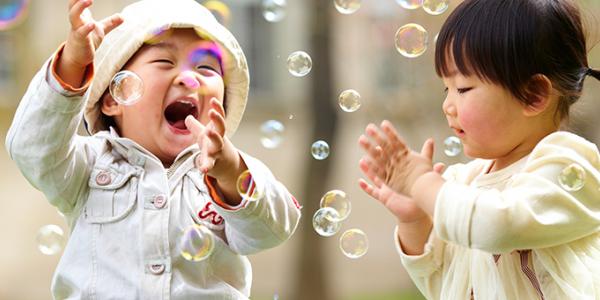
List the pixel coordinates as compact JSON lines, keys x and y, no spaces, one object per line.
{"x":110,"y":107}
{"x":539,"y":91}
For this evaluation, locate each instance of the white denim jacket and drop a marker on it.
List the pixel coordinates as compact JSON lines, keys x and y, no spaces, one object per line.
{"x":127,"y":212}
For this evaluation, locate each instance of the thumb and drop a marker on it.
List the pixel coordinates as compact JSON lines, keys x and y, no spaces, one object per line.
{"x":439,"y":168}
{"x":427,"y":149}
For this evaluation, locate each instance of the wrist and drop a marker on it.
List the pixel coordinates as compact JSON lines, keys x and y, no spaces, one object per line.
{"x":425,"y":189}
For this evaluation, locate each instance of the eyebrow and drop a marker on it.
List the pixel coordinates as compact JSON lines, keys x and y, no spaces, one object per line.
{"x":162,"y":45}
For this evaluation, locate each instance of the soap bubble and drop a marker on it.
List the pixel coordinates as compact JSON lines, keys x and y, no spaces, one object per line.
{"x":272,"y":134}
{"x":220,"y":10}
{"x":274,"y":10}
{"x":435,"y":7}
{"x":197,"y":243}
{"x":320,"y":150}
{"x":12,"y":12}
{"x":247,"y":188}
{"x":452,"y":146}
{"x":349,"y":100}
{"x":572,"y":178}
{"x":326,"y":221}
{"x":299,"y":63}
{"x":410,"y":4}
{"x":126,"y":87}
{"x":354,"y":243}
{"x":337,"y":200}
{"x":347,"y":6}
{"x":411,"y":40}
{"x":50,"y":239}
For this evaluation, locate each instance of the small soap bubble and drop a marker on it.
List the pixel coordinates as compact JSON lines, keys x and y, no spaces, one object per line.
{"x":349,"y":100}
{"x":452,"y":146}
{"x":410,"y":4}
{"x":337,"y":200}
{"x":197,"y":243}
{"x":50,"y":239}
{"x":411,"y":40}
{"x":347,"y":7}
{"x":354,"y":243}
{"x":12,"y":12}
{"x":126,"y":87}
{"x":290,"y":117}
{"x":435,"y":7}
{"x":299,"y":63}
{"x":274,"y":10}
{"x":272,"y":134}
{"x":326,"y":221}
{"x":320,"y":150}
{"x":247,"y":188}
{"x":220,"y":10}
{"x":572,"y":178}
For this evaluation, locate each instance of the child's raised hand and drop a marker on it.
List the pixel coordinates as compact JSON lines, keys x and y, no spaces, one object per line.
{"x":217,"y":153}
{"x":85,"y":36}
{"x":389,"y":158}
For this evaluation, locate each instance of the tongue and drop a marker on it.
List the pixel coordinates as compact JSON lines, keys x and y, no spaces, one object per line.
{"x":179,"y":124}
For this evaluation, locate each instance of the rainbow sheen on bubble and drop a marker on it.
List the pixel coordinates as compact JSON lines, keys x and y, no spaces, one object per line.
{"x":299,"y":63}
{"x":320,"y":150}
{"x":50,"y":239}
{"x":326,"y":221}
{"x":274,"y":10}
{"x":272,"y":134}
{"x":12,"y":13}
{"x":126,"y":87}
{"x":197,"y":243}
{"x":452,"y":146}
{"x":247,"y":187}
{"x":220,"y":10}
{"x":411,"y":40}
{"x":347,"y":7}
{"x":410,"y":4}
{"x":435,"y":7}
{"x":339,"y":201}
{"x":572,"y":178}
{"x":354,"y":243}
{"x":349,"y":100}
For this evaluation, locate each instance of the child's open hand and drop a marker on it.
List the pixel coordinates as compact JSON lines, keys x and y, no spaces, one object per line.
{"x":217,"y":153}
{"x":389,"y":159}
{"x":85,"y":36}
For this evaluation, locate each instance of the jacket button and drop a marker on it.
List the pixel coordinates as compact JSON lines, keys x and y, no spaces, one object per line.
{"x":157,"y":269}
{"x":103,"y":178}
{"x":160,"y":201}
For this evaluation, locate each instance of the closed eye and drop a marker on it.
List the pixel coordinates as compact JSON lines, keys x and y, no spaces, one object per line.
{"x":164,"y":61}
{"x":463,"y":90}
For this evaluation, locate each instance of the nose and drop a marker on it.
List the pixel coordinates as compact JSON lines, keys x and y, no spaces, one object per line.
{"x":188,"y":79}
{"x":449,"y":107}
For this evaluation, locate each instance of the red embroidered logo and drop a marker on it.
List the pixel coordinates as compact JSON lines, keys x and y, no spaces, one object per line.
{"x":208,"y":213}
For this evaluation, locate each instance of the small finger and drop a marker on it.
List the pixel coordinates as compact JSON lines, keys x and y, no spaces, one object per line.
{"x":369,"y":189}
{"x":79,"y":14}
{"x":215,"y":138}
{"x":427,"y":149}
{"x":193,"y":125}
{"x":392,"y":135}
{"x":83,"y":31}
{"x":112,"y":22}
{"x":218,"y":106}
{"x":439,"y":167}
{"x":217,"y":121}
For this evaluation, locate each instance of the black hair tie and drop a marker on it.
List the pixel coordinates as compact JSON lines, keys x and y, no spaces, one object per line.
{"x":593,"y":73}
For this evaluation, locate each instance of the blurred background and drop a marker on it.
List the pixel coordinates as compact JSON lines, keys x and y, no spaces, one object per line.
{"x":352,"y":45}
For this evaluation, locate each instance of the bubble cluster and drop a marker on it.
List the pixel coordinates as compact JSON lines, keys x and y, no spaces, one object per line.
{"x":411,"y":40}
{"x":326,"y":221}
{"x":349,"y":100}
{"x":272,"y":134}
{"x":274,"y":10}
{"x":572,"y":178}
{"x":354,"y":243}
{"x":197,"y":243}
{"x":299,"y":63}
{"x":452,"y":146}
{"x":50,"y":239}
{"x":126,"y":87}
{"x":347,"y":6}
{"x":320,"y":150}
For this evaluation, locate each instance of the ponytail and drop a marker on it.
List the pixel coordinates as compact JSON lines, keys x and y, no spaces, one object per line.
{"x":593,"y":73}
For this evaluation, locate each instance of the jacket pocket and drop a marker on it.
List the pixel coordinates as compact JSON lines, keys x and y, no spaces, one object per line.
{"x":112,"y":195}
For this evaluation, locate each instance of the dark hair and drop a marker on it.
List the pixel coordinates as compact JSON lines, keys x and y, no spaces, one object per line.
{"x":507,"y":42}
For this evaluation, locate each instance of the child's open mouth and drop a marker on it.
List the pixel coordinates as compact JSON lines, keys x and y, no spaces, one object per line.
{"x":176,"y":112}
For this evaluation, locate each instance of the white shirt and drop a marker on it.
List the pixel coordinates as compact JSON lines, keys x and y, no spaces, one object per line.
{"x":127,"y":212}
{"x":522,"y":207}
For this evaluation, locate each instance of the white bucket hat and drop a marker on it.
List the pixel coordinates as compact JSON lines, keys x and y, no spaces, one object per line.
{"x":145,"y":18}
